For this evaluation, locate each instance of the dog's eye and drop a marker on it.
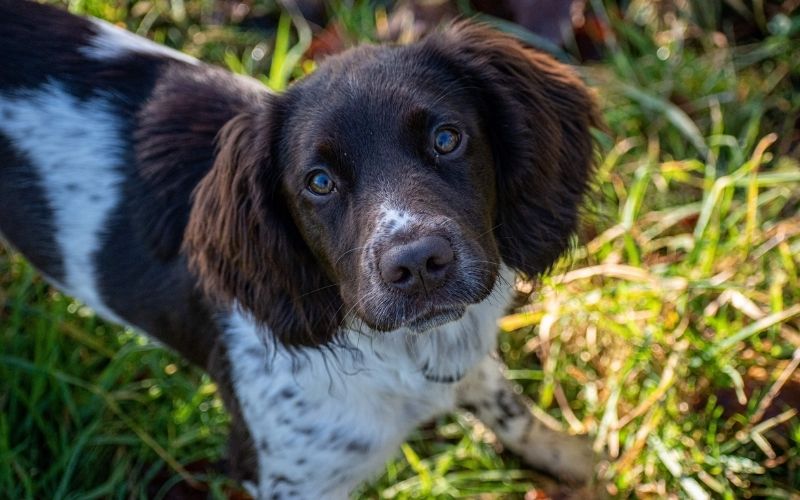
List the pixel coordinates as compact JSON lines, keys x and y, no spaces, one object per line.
{"x":321,"y":183}
{"x":446,"y":140}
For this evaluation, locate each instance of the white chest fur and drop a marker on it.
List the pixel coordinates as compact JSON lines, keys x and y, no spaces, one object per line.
{"x":324,"y":420}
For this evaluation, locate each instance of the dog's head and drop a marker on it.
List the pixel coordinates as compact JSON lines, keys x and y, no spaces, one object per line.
{"x":390,"y":185}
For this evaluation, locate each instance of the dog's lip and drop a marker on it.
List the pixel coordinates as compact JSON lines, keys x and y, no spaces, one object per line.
{"x":434,"y":317}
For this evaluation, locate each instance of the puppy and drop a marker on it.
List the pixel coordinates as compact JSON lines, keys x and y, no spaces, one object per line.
{"x":336,"y":256}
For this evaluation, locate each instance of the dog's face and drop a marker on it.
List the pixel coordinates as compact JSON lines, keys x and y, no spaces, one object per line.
{"x":387,"y":187}
{"x":390,"y":179}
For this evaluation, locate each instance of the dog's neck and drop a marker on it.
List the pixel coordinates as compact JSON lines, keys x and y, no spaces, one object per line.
{"x":443,"y":354}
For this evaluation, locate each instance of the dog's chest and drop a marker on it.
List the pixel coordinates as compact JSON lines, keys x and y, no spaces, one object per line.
{"x":309,"y":410}
{"x":362,"y":378}
{"x":398,"y":372}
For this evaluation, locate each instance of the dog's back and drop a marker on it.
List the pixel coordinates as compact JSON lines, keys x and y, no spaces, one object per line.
{"x":84,"y":107}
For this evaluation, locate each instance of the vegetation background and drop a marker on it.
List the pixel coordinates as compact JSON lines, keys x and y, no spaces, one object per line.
{"x":670,"y":335}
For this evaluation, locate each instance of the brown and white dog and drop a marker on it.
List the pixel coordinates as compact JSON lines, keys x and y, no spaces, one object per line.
{"x":336,"y":256}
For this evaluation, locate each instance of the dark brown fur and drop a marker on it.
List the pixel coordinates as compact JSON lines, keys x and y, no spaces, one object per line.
{"x":239,"y":241}
{"x":539,"y":114}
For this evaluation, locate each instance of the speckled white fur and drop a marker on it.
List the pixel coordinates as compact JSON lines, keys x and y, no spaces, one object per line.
{"x":393,"y":220}
{"x":323,"y":421}
{"x":113,"y":42}
{"x":75,"y":147}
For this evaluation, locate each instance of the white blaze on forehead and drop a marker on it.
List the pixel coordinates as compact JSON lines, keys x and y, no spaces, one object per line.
{"x":112,"y":42}
{"x":393,"y":219}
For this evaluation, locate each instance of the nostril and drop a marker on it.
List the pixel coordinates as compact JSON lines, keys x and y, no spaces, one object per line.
{"x":436,"y":264}
{"x":403,"y":276}
{"x":423,"y":264}
{"x":441,"y":256}
{"x":395,"y":274}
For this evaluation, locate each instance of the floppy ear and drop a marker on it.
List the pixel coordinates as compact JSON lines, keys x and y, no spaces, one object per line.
{"x":243,"y":245}
{"x":537,"y":113}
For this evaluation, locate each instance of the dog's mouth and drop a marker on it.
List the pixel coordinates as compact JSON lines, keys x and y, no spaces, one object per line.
{"x":434,"y":318}
{"x":382,"y":309}
{"x":427,"y":319}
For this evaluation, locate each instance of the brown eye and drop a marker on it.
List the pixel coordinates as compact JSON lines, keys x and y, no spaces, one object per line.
{"x":320,"y":183}
{"x":446,"y":140}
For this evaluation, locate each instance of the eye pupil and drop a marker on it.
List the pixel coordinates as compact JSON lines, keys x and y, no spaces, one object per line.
{"x":446,"y":140}
{"x":321,"y":183}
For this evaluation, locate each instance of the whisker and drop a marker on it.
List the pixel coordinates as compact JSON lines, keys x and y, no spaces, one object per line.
{"x":318,"y":289}
{"x":350,"y":251}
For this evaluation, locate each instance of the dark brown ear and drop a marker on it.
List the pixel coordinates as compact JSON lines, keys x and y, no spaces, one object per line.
{"x":537,"y":113}
{"x":243,"y":245}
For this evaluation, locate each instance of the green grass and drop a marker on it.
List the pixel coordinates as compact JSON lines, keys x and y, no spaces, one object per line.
{"x":679,"y":303}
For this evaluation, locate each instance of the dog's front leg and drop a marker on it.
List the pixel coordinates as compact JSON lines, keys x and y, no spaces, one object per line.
{"x":487,"y":394}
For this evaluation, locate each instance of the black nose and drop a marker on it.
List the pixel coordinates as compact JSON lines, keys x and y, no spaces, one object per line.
{"x":421,"y":265}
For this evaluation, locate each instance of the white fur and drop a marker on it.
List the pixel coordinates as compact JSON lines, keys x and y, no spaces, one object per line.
{"x":113,"y":42}
{"x":392,"y":219}
{"x":74,"y":146}
{"x":369,"y":389}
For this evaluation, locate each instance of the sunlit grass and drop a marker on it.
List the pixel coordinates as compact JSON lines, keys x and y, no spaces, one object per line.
{"x":670,"y":335}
